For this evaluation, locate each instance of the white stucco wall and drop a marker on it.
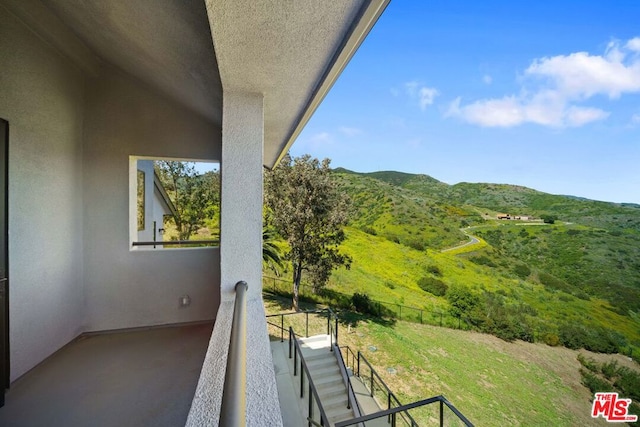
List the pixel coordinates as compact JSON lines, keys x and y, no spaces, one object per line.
{"x":241,"y":259}
{"x":41,"y":95}
{"x":241,"y":208}
{"x":128,"y":288}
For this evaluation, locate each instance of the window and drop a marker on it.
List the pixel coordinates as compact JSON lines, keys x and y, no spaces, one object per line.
{"x":174,"y":203}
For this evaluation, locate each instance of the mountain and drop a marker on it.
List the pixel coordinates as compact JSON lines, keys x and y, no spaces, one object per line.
{"x":582,"y":271}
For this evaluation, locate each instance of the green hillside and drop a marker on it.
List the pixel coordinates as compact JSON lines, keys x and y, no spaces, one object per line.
{"x":579,"y":277}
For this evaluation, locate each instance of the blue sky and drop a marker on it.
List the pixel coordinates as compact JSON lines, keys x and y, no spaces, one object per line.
{"x":543,"y":94}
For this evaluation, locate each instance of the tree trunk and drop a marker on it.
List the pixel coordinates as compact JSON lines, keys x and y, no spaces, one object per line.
{"x":297,"y":275}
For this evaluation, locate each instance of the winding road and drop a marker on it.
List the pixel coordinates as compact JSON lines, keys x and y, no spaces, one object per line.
{"x":473,"y":240}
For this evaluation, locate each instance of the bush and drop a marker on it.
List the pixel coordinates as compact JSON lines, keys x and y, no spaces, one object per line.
{"x":551,"y":339}
{"x":435,"y":270}
{"x":432,"y":285}
{"x":370,"y":230}
{"x":363,"y":304}
{"x":482,"y":260}
{"x":594,"y":383}
{"x":589,"y":363}
{"x":522,"y":271}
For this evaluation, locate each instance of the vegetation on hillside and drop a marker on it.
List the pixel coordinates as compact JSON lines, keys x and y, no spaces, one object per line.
{"x":305,"y":207}
{"x":573,"y":281}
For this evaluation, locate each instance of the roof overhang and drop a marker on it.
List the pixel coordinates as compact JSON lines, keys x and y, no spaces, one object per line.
{"x":292,"y":52}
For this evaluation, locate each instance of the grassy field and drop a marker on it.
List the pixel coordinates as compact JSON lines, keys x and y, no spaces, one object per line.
{"x":490,"y":381}
{"x":389,"y":272}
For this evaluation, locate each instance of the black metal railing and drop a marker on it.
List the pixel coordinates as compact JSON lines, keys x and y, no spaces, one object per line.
{"x":352,"y":401}
{"x":332,"y":332}
{"x":177,"y":243}
{"x":360,"y":366}
{"x":395,"y":411}
{"x":313,"y":396}
{"x":391,"y":414}
{"x":278,"y":322}
{"x":233,"y":410}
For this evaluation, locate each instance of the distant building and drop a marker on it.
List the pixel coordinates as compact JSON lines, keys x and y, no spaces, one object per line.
{"x":504,"y":216}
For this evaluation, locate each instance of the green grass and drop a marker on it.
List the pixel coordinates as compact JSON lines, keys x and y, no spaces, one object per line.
{"x":389,"y":272}
{"x":490,"y":381}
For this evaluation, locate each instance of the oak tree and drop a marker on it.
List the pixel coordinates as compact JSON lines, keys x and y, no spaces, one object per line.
{"x":308,"y":210}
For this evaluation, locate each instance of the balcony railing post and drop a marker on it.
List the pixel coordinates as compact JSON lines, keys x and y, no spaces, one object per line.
{"x":233,"y":410}
{"x":336,"y":330}
{"x":441,"y":413}
{"x":290,"y":342}
{"x":306,"y":330}
{"x":310,"y":406}
{"x":301,"y":378}
{"x":282,"y":333}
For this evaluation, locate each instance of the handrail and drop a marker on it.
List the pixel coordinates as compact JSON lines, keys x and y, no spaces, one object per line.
{"x":390,"y":395}
{"x":332,"y":330}
{"x":175,"y":242}
{"x":234,"y":395}
{"x":313,"y":392}
{"x":351,"y":394}
{"x":404,"y":408}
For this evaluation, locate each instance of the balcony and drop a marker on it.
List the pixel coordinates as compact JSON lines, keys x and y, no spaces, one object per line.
{"x":131,"y":378}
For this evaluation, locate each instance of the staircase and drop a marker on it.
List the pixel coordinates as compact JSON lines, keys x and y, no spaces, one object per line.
{"x":325,"y":372}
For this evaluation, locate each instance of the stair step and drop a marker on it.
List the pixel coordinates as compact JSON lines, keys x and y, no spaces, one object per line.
{"x":334,"y":378}
{"x":342,"y":415}
{"x":325,"y":371}
{"x":320,"y":362}
{"x":329,"y":390}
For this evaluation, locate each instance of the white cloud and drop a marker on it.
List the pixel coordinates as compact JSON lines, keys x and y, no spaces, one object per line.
{"x":560,"y":83}
{"x":425,"y":95}
{"x":487,"y":79}
{"x":635,"y":119}
{"x":633,"y":44}
{"x":350,"y":131}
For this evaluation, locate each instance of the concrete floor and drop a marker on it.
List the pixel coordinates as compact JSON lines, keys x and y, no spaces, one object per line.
{"x":137,"y":378}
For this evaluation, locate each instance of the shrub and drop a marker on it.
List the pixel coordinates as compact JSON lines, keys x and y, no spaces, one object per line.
{"x":363,"y":304}
{"x":434,"y":286}
{"x":594,"y":383}
{"x":435,"y":270}
{"x":589,"y":363}
{"x":551,"y":339}
{"x":482,"y":260}
{"x":370,"y":230}
{"x":416,"y":244}
{"x":522,"y":271}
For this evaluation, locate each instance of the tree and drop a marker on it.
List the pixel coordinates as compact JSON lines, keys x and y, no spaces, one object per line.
{"x":195,"y":196}
{"x":549,"y":219}
{"x":271,"y":254}
{"x":307,"y":210}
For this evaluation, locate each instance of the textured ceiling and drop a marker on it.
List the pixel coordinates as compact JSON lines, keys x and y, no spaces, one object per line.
{"x":284,"y":50}
{"x":165,"y":43}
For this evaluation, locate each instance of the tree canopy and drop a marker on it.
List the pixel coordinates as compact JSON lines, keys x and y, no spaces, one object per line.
{"x":306,"y":208}
{"x":196,"y":197}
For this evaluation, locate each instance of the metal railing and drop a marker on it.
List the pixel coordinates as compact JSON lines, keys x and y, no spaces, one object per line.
{"x":351,"y":393}
{"x":331,"y":329}
{"x":391,"y":414}
{"x":176,"y":243}
{"x":373,"y":382}
{"x":314,"y":397}
{"x":233,"y":410}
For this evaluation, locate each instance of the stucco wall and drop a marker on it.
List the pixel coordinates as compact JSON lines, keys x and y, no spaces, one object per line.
{"x":126,"y":288}
{"x":41,"y":95}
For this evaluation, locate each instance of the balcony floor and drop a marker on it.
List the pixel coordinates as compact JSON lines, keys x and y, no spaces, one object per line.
{"x":135,"y":378}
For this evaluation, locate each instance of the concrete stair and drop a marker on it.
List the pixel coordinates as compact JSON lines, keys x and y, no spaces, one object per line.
{"x":325,"y":372}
